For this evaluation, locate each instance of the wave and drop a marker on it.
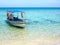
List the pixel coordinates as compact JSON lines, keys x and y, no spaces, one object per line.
{"x":46,"y":21}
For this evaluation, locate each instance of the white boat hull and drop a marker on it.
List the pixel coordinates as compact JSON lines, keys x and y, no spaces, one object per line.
{"x":17,"y":23}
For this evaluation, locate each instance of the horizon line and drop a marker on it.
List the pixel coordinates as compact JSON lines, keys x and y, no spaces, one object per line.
{"x":31,"y":7}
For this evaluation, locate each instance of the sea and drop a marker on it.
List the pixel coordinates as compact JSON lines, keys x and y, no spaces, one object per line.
{"x":42,"y":27}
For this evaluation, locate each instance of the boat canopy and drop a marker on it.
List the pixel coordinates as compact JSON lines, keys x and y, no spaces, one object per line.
{"x":16,"y":13}
{"x":12,"y":11}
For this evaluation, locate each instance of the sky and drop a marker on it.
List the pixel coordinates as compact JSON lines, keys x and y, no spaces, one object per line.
{"x":29,"y":3}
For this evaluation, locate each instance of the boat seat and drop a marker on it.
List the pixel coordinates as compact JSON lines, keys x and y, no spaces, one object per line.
{"x":16,"y":19}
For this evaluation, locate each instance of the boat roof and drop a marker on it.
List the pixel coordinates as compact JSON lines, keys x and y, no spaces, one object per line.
{"x":14,"y":11}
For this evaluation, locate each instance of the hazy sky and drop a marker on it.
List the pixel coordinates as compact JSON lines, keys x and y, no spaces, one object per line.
{"x":29,"y":3}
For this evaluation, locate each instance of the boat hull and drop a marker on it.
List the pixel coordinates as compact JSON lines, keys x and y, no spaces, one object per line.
{"x":16,"y":23}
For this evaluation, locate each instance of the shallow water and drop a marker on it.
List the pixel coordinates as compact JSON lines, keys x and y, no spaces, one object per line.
{"x":43,"y":28}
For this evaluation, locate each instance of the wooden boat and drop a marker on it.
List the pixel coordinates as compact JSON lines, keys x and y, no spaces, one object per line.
{"x":16,"y":21}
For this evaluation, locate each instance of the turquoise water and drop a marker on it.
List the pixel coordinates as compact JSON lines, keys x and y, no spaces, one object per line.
{"x":41,"y":23}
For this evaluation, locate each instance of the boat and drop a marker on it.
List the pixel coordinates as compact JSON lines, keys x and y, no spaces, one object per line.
{"x":16,"y":21}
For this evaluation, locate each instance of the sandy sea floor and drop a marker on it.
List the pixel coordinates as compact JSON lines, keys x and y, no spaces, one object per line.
{"x":31,"y":35}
